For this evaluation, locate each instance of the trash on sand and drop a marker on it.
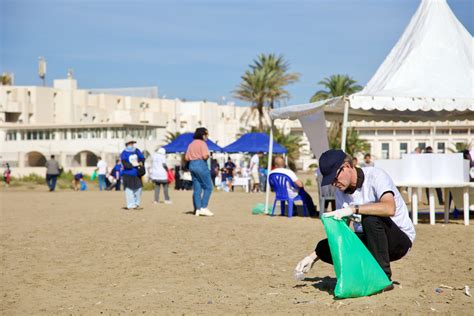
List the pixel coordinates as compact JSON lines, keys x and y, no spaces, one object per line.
{"x":467,"y":291}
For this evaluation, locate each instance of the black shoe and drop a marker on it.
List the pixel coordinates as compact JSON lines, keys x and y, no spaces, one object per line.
{"x":388,"y":288}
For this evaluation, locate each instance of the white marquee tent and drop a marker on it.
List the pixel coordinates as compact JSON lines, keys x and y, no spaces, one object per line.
{"x":427,"y":76}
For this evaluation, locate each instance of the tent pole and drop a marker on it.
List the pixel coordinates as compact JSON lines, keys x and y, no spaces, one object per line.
{"x":344,"y":124}
{"x":269,"y":167}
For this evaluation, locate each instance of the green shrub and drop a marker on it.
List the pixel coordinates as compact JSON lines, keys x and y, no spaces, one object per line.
{"x":33,"y":178}
{"x":63,"y":186}
{"x":68,"y":176}
{"x":15,"y":183}
{"x":148,"y":186}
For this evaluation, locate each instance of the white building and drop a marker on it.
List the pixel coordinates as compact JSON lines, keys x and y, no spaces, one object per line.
{"x":389,"y":140}
{"x":79,"y":125}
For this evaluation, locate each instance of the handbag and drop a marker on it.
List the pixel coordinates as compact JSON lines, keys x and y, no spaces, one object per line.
{"x":170,"y":175}
{"x":141,"y":170}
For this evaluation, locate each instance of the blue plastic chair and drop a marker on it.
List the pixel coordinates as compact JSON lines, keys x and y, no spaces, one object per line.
{"x":280,"y":183}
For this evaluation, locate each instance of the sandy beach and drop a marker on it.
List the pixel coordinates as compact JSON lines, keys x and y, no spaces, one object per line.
{"x":81,"y":253}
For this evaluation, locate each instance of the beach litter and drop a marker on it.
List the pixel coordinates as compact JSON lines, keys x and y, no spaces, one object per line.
{"x":465,"y":289}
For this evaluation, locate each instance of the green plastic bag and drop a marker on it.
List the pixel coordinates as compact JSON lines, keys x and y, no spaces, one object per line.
{"x":260,"y":209}
{"x":357,"y":272}
{"x":94,"y":175}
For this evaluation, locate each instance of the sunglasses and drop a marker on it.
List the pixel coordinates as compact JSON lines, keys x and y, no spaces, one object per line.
{"x":334,"y":182}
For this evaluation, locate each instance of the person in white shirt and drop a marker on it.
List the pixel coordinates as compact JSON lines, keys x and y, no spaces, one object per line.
{"x":367,"y":161}
{"x":254,"y":164}
{"x":101,"y":173}
{"x":292,"y":192}
{"x":386,"y":231}
{"x":159,"y":175}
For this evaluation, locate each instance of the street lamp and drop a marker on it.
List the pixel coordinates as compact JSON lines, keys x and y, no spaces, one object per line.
{"x":144,"y":106}
{"x":42,"y":69}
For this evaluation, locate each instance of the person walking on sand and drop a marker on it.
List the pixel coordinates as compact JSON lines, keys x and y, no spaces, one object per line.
{"x":7,"y":174}
{"x":133,"y":163}
{"x":159,"y":175}
{"x":197,"y":154}
{"x":101,"y":173}
{"x":52,"y":173}
{"x":117,"y":174}
{"x":254,"y":166}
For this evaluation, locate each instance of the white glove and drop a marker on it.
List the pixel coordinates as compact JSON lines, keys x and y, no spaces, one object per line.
{"x":306,"y":264}
{"x":340,"y":213}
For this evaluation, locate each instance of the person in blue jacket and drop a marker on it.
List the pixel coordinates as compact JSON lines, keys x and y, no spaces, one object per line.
{"x":133,"y":163}
{"x":117,"y":174}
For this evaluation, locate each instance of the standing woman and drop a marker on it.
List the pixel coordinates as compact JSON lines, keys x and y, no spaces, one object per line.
{"x":133,"y":163}
{"x":159,"y":175}
{"x":196,"y":155}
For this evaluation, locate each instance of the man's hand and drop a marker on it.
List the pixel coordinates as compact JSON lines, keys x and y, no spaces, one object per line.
{"x":340,"y":213}
{"x":306,"y":264}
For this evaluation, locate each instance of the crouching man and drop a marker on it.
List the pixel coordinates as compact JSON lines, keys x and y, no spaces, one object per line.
{"x":385,"y":227}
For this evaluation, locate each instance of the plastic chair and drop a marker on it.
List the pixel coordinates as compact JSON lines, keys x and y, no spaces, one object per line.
{"x":280,"y":183}
{"x":326,"y":193}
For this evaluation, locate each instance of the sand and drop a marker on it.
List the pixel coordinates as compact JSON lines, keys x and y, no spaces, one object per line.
{"x":80,"y":253}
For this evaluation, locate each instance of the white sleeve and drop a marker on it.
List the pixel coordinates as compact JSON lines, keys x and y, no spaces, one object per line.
{"x":292,"y":175}
{"x":383,"y":184}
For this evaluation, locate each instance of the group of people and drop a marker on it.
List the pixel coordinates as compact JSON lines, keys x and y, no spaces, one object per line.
{"x":109,"y":180}
{"x":223,"y":178}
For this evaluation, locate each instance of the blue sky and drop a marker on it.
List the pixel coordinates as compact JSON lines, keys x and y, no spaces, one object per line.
{"x":199,"y":49}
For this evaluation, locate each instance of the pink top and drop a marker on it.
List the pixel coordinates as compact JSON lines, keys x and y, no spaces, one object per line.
{"x":197,"y":150}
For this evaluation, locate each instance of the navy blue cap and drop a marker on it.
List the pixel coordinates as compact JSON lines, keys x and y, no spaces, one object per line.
{"x":329,"y":163}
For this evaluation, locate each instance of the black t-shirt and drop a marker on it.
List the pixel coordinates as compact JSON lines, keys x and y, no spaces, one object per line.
{"x":230,"y":166}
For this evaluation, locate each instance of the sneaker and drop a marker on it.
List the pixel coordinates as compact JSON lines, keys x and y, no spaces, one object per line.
{"x":205,"y":212}
{"x":197,"y":212}
{"x":139,"y":208}
{"x":168,"y":202}
{"x":388,"y":288}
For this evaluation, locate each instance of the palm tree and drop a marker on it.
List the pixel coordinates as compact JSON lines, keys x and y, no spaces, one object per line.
{"x":263,"y":85}
{"x":292,"y":144}
{"x":5,"y":79}
{"x":290,"y":141}
{"x":460,"y":147}
{"x":252,"y":89}
{"x":170,"y":136}
{"x":336,"y":85}
{"x":341,"y":85}
{"x":355,"y":144}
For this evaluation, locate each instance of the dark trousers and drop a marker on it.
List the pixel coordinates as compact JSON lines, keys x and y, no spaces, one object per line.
{"x":332,"y":202}
{"x":117,"y":185}
{"x":51,"y":181}
{"x":439,"y":193}
{"x":382,"y":237}
{"x":308,"y":201}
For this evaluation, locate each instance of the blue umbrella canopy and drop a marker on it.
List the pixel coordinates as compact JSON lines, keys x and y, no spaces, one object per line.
{"x":181,"y":143}
{"x":253,"y":143}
